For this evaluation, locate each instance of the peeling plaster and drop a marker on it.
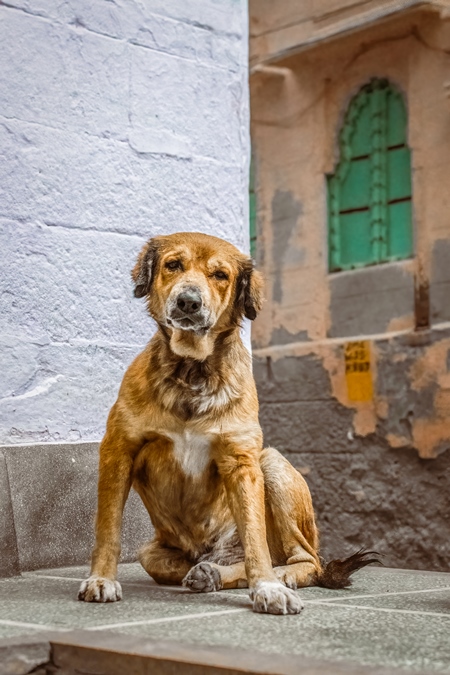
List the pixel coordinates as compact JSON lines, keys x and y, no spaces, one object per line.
{"x":285,"y":214}
{"x":281,"y":336}
{"x":365,"y":412}
{"x":431,"y":433}
{"x":405,"y":322}
{"x":332,"y":359}
{"x":431,"y":366}
{"x":411,"y":401}
{"x":397,"y":441}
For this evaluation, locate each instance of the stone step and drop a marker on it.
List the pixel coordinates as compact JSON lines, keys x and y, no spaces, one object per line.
{"x":114,"y":654}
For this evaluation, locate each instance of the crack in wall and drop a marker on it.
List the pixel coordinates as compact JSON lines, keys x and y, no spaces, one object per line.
{"x":110,"y":137}
{"x":78,"y":24}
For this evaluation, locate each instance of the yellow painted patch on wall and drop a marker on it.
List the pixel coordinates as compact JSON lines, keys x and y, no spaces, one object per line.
{"x":358,"y":371}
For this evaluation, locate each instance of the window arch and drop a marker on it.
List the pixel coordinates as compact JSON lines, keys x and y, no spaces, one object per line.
{"x":369,"y":195}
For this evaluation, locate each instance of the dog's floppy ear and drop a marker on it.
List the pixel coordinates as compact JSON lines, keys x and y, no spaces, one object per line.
{"x":249,"y":294}
{"x":144,"y":269}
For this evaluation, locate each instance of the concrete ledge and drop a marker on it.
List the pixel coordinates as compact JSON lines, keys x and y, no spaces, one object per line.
{"x":115,"y":654}
{"x":22,"y":655}
{"x":48,"y":493}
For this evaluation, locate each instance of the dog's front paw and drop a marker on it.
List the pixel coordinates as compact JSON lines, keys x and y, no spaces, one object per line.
{"x":100,"y":589}
{"x":271,"y":597}
{"x":203,"y":578}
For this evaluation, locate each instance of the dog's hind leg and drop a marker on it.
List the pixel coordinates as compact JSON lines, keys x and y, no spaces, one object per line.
{"x":291,"y":533}
{"x":165,"y":565}
{"x":291,"y":529}
{"x":221,"y":567}
{"x":297,"y":575}
{"x":208,"y":576}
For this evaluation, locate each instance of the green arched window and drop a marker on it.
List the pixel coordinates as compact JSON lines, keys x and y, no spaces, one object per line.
{"x":369,"y":195}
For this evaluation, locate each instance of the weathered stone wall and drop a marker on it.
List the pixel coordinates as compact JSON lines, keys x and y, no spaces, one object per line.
{"x":118,"y":121}
{"x":377,"y":467}
{"x":369,"y":484}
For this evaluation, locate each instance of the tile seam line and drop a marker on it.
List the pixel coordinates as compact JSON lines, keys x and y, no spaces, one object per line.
{"x":387,"y":610}
{"x":37,"y":626}
{"x":169,"y":619}
{"x":383,"y":595}
{"x":228,"y":594}
{"x":173,"y":589}
{"x":200,"y":615}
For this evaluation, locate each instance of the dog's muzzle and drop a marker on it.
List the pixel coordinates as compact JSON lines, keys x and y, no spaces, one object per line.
{"x":187,"y":311}
{"x":189,"y":302}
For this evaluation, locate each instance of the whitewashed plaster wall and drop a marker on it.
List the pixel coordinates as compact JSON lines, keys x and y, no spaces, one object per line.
{"x":119,"y":120}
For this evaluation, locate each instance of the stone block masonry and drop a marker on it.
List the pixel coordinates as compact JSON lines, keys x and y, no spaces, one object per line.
{"x":352,"y":365}
{"x":378,"y":469}
{"x":118,"y":121}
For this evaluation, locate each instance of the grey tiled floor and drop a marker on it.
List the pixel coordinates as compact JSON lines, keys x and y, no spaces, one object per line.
{"x":387,"y":618}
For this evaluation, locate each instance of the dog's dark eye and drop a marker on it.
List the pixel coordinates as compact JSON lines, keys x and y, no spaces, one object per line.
{"x":173,"y":265}
{"x":220,"y":275}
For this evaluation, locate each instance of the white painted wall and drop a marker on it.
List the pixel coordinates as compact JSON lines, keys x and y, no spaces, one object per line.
{"x":118,"y":120}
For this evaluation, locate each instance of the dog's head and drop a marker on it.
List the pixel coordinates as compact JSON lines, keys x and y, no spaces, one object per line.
{"x":196,"y":286}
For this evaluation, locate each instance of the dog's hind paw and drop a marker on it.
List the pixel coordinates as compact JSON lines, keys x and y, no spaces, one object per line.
{"x":271,"y":597}
{"x":203,"y":578}
{"x":286,"y":577}
{"x":100,"y":589}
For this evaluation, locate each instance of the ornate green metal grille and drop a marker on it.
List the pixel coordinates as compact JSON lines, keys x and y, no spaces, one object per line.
{"x":369,"y":195}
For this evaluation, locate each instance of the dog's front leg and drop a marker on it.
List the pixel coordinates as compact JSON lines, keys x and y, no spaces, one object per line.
{"x":114,"y":482}
{"x":244,"y":484}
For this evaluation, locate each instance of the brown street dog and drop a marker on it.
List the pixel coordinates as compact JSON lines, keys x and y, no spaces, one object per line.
{"x":184,"y":432}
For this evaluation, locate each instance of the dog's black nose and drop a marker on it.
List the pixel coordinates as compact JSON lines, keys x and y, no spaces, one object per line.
{"x":189,"y":301}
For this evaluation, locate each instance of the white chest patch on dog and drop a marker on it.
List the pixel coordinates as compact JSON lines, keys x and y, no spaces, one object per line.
{"x":192,"y":452}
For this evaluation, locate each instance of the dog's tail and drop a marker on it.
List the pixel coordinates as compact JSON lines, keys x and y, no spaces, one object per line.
{"x":337,"y":573}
